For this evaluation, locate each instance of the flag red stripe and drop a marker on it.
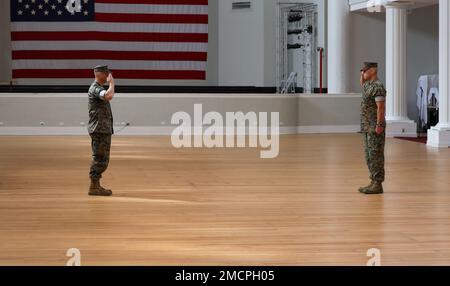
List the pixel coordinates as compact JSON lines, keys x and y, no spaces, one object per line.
{"x":109,"y":55}
{"x":109,"y":36}
{"x":122,"y":74}
{"x":152,"y":18}
{"x":155,"y":2}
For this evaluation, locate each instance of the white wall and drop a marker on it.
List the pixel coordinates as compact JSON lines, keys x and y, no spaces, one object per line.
{"x":369,"y":44}
{"x":423,"y":51}
{"x":150,"y":114}
{"x":241,"y":45}
{"x":368,"y":34}
{"x":247,"y":42}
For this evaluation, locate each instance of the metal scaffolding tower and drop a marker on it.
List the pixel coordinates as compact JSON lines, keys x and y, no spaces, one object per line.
{"x":296,"y":47}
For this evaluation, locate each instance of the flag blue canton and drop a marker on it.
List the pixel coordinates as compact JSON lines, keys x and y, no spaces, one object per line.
{"x":52,"y":10}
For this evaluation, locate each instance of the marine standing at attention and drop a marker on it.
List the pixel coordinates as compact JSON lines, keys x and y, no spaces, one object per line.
{"x":373,"y":126}
{"x":100,"y":127}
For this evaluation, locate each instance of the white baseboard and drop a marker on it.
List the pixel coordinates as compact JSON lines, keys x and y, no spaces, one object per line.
{"x":160,"y":131}
{"x":438,"y":138}
{"x":401,"y":128}
{"x":328,"y":129}
{"x":402,"y":135}
{"x":42,"y":131}
{"x":77,"y":131}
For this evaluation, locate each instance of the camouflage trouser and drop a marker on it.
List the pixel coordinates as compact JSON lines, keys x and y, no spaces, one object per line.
{"x":101,"y":146}
{"x":374,"y":150}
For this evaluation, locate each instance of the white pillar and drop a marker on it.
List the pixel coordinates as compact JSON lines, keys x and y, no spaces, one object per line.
{"x":396,"y":101}
{"x":338,"y":46}
{"x":439,"y":136}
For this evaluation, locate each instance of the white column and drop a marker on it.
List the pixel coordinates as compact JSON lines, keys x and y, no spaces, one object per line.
{"x":338,"y":46}
{"x":396,"y":101}
{"x":439,"y":136}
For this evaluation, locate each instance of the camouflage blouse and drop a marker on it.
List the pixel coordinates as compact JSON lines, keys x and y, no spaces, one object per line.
{"x":100,"y":114}
{"x":373,"y":92}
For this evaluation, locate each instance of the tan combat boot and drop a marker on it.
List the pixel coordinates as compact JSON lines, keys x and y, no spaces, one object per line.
{"x":363,"y":189}
{"x":375,"y":189}
{"x":96,"y":190}
{"x":106,"y":190}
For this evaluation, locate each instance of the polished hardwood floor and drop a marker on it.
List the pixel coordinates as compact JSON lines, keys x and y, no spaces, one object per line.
{"x":222,"y":206}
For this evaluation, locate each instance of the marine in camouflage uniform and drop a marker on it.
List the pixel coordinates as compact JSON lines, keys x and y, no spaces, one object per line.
{"x":374,"y":143}
{"x":101,"y":130}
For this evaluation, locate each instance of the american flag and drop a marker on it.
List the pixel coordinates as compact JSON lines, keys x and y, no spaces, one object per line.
{"x":137,"y":39}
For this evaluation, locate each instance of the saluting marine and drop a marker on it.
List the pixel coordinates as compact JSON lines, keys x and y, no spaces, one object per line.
{"x":100,"y":127}
{"x":373,"y":126}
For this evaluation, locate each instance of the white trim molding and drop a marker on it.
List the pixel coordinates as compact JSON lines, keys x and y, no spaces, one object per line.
{"x":162,"y":131}
{"x":328,"y":129}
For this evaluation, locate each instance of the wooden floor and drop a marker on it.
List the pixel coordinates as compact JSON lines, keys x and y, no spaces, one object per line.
{"x":222,"y":207}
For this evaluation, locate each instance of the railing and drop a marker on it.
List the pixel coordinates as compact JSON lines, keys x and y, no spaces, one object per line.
{"x":369,"y":5}
{"x":289,"y":85}
{"x":355,"y":2}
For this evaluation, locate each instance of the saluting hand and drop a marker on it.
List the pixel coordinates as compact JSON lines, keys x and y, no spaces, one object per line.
{"x":361,"y":79}
{"x":110,"y":79}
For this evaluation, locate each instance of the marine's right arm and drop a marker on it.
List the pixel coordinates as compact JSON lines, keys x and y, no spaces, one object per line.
{"x":109,"y":94}
{"x":361,"y":79}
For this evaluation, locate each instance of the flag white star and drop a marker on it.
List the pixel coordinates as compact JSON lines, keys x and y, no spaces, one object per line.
{"x":59,"y":1}
{"x":33,"y":12}
{"x":53,"y":7}
{"x":33,"y":1}
{"x":86,"y":13}
{"x":20,"y":1}
{"x":59,"y":12}
{"x":46,"y":1}
{"x":85,"y":1}
{"x":27,"y":6}
{"x":45,"y":12}
{"x":20,"y":12}
{"x":40,"y":7}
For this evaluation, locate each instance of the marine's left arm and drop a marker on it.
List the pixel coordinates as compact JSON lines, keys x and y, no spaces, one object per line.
{"x":380,"y":99}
